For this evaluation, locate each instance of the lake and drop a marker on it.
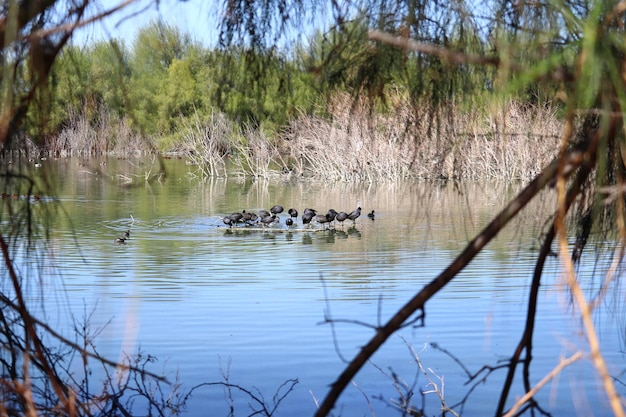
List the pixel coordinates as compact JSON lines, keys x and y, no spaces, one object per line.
{"x":210,"y":301}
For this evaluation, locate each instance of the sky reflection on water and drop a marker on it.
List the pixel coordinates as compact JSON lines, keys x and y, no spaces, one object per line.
{"x":198,"y":295}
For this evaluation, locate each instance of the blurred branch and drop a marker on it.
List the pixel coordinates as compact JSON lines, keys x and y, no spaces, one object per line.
{"x":70,"y":27}
{"x":556,"y":371}
{"x":573,"y":158}
{"x":579,"y":298}
{"x":445,"y":54}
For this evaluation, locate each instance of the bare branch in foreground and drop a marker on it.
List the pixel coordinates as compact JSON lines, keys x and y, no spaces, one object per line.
{"x":585,"y":312}
{"x":573,"y":158}
{"x":557,"y":369}
{"x":558,"y":74}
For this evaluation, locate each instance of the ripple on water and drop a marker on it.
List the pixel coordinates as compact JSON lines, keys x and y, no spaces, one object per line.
{"x":198,"y":295}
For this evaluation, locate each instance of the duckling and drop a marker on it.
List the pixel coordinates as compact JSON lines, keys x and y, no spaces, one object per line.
{"x":371,"y":215}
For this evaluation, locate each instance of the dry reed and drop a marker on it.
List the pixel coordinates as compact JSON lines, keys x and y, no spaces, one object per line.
{"x":105,"y":135}
{"x":507,"y":141}
{"x":257,"y":156}
{"x":207,"y":145}
{"x":510,"y":142}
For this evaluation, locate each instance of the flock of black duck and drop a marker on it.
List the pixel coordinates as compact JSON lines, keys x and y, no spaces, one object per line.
{"x":268,"y":218}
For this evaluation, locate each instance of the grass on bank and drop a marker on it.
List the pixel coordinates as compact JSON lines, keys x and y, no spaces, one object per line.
{"x":508,"y":141}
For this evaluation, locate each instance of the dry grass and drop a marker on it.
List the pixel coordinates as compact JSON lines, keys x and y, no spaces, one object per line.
{"x":509,"y":142}
{"x":250,"y":152}
{"x":257,"y":156}
{"x":506,"y":141}
{"x":207,"y":145}
{"x":355,"y":145}
{"x":106,"y":135}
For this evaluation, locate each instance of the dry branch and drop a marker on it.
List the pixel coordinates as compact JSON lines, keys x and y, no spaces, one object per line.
{"x":557,"y":369}
{"x":573,"y":159}
{"x":558,"y":74}
{"x":585,"y":313}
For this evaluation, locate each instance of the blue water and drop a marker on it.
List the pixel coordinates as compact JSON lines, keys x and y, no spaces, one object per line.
{"x":211,"y":302}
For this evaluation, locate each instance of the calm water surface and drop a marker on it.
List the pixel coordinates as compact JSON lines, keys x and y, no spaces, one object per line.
{"x":207,"y":300}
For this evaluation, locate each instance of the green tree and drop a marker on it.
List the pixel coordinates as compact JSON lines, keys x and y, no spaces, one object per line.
{"x":154,"y":50}
{"x":85,"y":80}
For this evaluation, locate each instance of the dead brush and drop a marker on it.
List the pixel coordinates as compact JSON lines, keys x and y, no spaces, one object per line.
{"x":508,"y":141}
{"x":77,"y":138}
{"x":512,"y":142}
{"x":354,"y":146}
{"x":207,"y":145}
{"x":105,"y":135}
{"x":257,"y":156}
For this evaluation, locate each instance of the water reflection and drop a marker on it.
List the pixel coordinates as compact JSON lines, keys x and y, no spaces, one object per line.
{"x":203,"y":291}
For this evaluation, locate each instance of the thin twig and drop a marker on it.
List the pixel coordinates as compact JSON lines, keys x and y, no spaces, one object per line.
{"x":584,"y":307}
{"x":399,"y":319}
{"x":557,"y":369}
{"x":558,"y":74}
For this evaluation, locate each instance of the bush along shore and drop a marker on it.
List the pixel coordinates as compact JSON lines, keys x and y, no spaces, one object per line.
{"x":509,"y":142}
